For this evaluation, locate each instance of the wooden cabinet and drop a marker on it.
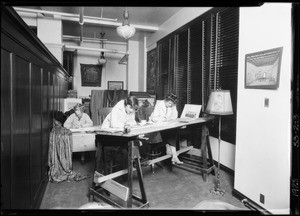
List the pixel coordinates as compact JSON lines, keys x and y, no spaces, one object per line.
{"x":32,"y":83}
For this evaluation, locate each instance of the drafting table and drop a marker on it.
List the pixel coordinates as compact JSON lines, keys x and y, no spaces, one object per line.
{"x":118,"y":138}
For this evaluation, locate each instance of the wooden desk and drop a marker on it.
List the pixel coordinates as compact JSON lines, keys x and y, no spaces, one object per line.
{"x":83,"y":142}
{"x":127,"y":140}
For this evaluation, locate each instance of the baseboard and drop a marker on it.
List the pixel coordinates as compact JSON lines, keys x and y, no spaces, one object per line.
{"x":249,"y":203}
{"x":41,"y":192}
{"x":225,"y":168}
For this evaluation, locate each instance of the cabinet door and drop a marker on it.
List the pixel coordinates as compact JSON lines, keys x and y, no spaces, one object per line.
{"x":5,"y":129}
{"x":20,"y":182}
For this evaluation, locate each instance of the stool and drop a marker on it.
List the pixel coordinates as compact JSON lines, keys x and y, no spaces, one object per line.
{"x":113,"y":163}
{"x":153,"y":153}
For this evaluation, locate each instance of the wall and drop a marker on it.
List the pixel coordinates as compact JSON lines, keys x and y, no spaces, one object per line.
{"x":263,"y":142}
{"x":177,"y":20}
{"x":52,"y":39}
{"x":111,"y":71}
{"x":133,"y":74}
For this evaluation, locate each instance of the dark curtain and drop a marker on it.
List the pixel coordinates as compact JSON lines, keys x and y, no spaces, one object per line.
{"x":112,"y":97}
{"x":96,"y":103}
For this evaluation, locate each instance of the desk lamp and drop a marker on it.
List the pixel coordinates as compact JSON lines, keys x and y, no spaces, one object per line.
{"x":219,"y":103}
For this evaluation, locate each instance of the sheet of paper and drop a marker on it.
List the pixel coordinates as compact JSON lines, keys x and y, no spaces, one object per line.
{"x":85,"y":129}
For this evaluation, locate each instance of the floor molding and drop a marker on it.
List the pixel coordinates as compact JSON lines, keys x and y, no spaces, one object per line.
{"x":249,"y":203}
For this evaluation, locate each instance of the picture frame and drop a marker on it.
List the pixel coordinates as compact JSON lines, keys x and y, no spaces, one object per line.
{"x":115,"y":85}
{"x":91,"y":75}
{"x":262,"y":69}
{"x":151,"y":71}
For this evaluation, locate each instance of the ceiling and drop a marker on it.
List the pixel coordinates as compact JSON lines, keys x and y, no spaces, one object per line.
{"x":144,"y":16}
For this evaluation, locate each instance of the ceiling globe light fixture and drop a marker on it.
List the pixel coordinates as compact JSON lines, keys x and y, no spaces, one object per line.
{"x":125,"y":30}
{"x":102,"y":60}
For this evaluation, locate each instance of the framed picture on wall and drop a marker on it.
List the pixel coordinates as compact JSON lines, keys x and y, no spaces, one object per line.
{"x":151,"y":71}
{"x":262,"y":69}
{"x":91,"y":75}
{"x":114,"y":85}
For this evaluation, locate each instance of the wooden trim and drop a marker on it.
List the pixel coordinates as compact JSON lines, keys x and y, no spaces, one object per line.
{"x":15,"y":28}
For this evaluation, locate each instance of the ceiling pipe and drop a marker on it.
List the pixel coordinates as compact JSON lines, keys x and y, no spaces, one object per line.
{"x":81,"y":21}
{"x":60,"y":13}
{"x":93,"y":40}
{"x":95,"y":49}
{"x":88,"y":19}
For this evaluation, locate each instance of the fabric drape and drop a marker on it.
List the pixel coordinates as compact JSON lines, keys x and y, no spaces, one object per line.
{"x":60,"y":153}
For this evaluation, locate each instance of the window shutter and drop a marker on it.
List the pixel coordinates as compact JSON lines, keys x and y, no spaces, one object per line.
{"x":200,"y":57}
{"x":181,"y":68}
{"x":165,"y":67}
{"x":226,"y":61}
{"x":197,"y":65}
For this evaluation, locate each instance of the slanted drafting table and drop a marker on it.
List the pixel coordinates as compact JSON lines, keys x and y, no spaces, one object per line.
{"x":118,"y":138}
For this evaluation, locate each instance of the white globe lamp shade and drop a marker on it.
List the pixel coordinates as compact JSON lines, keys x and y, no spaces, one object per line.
{"x":126,"y":31}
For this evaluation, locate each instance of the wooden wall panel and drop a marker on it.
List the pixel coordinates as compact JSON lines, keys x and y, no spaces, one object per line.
{"x":20,"y":178}
{"x":5,"y":129}
{"x":32,"y":82}
{"x":45,"y":119}
{"x":35,"y":130}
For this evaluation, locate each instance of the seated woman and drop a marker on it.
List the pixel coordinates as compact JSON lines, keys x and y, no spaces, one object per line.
{"x":164,"y":111}
{"x":78,"y":119}
{"x":122,"y":114}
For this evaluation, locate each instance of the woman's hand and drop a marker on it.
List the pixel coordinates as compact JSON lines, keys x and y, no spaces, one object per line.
{"x":127,"y":128}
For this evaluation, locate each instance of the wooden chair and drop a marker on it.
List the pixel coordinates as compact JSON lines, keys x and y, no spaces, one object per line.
{"x":103,"y":112}
{"x":112,"y":152}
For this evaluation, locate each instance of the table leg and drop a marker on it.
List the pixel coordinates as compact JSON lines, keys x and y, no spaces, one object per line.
{"x":203,"y":149}
{"x":130,"y":173}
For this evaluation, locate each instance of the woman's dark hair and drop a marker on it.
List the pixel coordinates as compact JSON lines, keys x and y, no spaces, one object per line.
{"x":171,"y":97}
{"x":132,"y":101}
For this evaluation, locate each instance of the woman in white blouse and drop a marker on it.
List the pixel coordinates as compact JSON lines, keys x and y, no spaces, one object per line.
{"x":165,"y":111}
{"x":78,"y":119}
{"x":122,"y":114}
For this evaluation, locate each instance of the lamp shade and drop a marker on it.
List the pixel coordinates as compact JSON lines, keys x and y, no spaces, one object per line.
{"x":126,"y":31}
{"x":219,"y":103}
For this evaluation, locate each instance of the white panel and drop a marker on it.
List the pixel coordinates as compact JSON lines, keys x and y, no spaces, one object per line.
{"x":263,"y":140}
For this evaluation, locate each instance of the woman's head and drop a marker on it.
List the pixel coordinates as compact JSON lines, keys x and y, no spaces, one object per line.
{"x":131,"y":104}
{"x":78,"y":109}
{"x":171,"y":100}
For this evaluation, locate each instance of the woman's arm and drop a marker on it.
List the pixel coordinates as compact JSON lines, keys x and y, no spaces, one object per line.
{"x":118,"y":118}
{"x":88,"y":121}
{"x":68,"y":122}
{"x":158,"y":114}
{"x":174,"y":114}
{"x":131,"y":119}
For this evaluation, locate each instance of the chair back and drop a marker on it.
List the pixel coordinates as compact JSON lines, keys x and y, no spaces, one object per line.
{"x":145,"y":112}
{"x":103,"y":112}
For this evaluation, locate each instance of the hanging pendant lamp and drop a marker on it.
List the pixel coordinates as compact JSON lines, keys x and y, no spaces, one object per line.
{"x":126,"y":31}
{"x":102,"y":60}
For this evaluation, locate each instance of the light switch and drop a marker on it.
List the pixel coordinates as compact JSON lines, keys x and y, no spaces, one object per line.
{"x":266,"y":102}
